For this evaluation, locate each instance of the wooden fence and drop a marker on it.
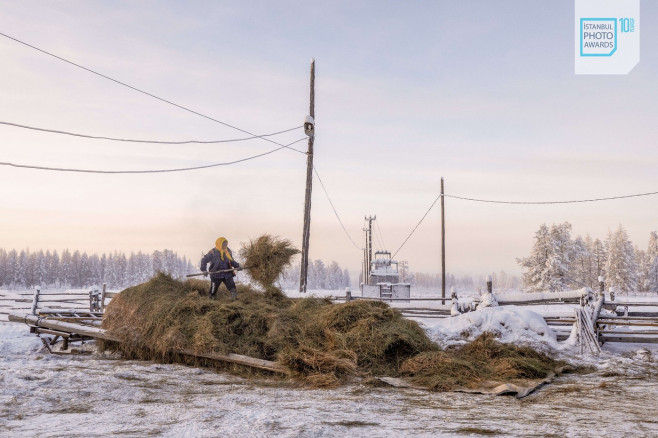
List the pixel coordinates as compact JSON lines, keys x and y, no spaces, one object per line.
{"x":630,"y":321}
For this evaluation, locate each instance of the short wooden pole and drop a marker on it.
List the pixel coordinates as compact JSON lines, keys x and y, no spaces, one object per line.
{"x":601,"y":285}
{"x":103,"y":297}
{"x":35,"y":299}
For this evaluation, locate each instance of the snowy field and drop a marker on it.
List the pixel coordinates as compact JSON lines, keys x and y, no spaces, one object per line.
{"x":101,"y":395}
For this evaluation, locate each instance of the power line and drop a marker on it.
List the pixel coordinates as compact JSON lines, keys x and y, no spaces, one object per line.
{"x":182,"y":169}
{"x":521,"y":203}
{"x":380,"y":234}
{"x":139,"y":90}
{"x":378,"y":243}
{"x":552,"y":202}
{"x":95,"y":137}
{"x":417,"y":225}
{"x":334,"y":209}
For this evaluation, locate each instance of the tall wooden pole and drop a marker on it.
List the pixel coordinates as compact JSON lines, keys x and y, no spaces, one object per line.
{"x":369,"y":247}
{"x":365,"y":256}
{"x":309,"y":182}
{"x":443,"y":247}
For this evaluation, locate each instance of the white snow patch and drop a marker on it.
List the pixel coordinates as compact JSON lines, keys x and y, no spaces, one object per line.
{"x":510,"y":324}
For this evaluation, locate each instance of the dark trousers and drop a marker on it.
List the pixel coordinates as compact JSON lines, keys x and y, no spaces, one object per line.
{"x":230,"y":285}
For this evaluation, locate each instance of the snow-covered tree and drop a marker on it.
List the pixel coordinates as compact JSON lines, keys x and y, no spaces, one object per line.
{"x":21,"y":268}
{"x":317,"y":275}
{"x":53,"y":268}
{"x":83,"y":271}
{"x":599,"y":257}
{"x":580,"y":270}
{"x":158,"y":261}
{"x":551,"y":259}
{"x":652,"y":263}
{"x":347,"y":282}
{"x":642,"y":262}
{"x":3,"y":267}
{"x":95,"y":277}
{"x":620,"y":266}
{"x":560,"y":260}
{"x":535,"y":265}
{"x":334,"y":278}
{"x":40,"y":269}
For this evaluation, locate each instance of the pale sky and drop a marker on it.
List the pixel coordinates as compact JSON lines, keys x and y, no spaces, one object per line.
{"x":481,"y":93}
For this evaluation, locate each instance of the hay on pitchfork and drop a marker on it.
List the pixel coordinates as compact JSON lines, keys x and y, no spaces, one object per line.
{"x":267,"y":257}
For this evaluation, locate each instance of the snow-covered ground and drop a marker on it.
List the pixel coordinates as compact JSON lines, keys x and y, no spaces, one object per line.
{"x":99,"y":395}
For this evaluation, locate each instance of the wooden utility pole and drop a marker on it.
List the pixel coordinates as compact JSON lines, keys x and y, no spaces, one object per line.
{"x":309,"y":182}
{"x":443,"y":247}
{"x":369,"y":247}
{"x":365,"y":256}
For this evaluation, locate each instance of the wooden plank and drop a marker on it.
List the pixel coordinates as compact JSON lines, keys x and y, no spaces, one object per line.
{"x":622,"y":318}
{"x":429,"y":311}
{"x":427,"y":316}
{"x":240,"y":359}
{"x":394,"y":299}
{"x":39,"y":321}
{"x":632,"y":323}
{"x":81,"y":294}
{"x":628,"y":339}
{"x":94,"y":332}
{"x":614,"y":304}
{"x":78,"y":312}
{"x":397,"y":382}
{"x":630,"y":332}
{"x":53,"y":332}
{"x":75,"y":318}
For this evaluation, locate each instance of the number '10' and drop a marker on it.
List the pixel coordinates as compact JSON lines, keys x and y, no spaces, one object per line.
{"x":625,"y":24}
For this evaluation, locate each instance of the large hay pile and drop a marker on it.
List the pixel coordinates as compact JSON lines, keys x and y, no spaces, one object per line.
{"x":267,"y":257}
{"x":321,"y":343}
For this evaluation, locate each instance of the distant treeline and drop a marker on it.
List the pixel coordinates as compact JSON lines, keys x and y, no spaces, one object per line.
{"x":502,"y":281}
{"x":333,"y":277}
{"x":320,"y":276}
{"x":27,"y":269}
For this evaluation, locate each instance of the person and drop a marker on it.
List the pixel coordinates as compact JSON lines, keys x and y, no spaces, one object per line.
{"x":220,"y":259}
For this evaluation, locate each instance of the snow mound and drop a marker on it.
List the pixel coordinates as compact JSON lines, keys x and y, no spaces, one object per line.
{"x":15,"y":339}
{"x":509,"y":324}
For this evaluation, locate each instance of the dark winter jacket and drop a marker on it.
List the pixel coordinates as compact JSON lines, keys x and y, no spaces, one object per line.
{"x":217,"y":264}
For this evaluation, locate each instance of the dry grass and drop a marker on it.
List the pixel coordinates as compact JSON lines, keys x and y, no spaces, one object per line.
{"x":267,"y":256}
{"x":321,"y":344}
{"x":480,"y":361}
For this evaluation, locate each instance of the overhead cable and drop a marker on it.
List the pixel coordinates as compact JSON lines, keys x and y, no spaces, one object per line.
{"x":182,"y":169}
{"x":334,"y":209}
{"x":95,"y":137}
{"x":609,"y":198}
{"x":417,"y":225}
{"x":140,"y":91}
{"x":552,"y":202}
{"x":380,"y":235}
